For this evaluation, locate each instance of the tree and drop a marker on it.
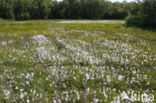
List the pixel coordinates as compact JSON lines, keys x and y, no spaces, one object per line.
{"x":22,"y":9}
{"x":146,"y":16}
{"x":92,"y":9}
{"x":66,"y":9}
{"x":6,"y":9}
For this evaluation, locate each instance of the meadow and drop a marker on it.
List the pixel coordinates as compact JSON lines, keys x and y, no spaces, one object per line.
{"x":52,"y":61}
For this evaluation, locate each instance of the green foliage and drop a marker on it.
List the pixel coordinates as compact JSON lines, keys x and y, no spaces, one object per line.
{"x":66,"y":9}
{"x":146,"y":15}
{"x":116,"y":11}
{"x":6,"y":9}
{"x":135,"y":21}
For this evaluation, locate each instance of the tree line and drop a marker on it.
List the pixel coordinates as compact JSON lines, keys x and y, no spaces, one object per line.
{"x":139,"y":13}
{"x":66,"y":9}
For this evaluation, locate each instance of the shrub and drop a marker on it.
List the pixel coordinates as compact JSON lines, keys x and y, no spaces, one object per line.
{"x":145,"y":17}
{"x":135,"y":21}
{"x":141,"y":21}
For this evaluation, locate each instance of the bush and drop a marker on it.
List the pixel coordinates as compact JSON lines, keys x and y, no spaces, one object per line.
{"x":135,"y":21}
{"x":145,"y":17}
{"x":141,"y":21}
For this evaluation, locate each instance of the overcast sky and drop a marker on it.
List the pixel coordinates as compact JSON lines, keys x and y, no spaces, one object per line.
{"x":115,"y":0}
{"x":121,"y":0}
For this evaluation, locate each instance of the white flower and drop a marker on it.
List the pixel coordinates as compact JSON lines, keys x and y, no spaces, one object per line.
{"x":95,"y":100}
{"x":21,"y":95}
{"x":78,"y":96}
{"x":54,"y":101}
{"x":27,"y":82}
{"x":21,"y":90}
{"x":34,"y":92}
{"x":27,"y":76}
{"x":74,"y":78}
{"x":59,"y":101}
{"x":120,"y":77}
{"x":28,"y":101}
{"x":87,"y":76}
{"x":104,"y":93}
{"x":40,"y":39}
{"x":16,"y":88}
{"x":88,"y":90}
{"x":47,"y":78}
{"x":32,"y":74}
{"x":7,"y":93}
{"x":25,"y":93}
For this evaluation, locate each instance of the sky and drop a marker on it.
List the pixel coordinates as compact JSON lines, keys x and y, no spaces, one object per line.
{"x":121,"y":0}
{"x":115,"y":0}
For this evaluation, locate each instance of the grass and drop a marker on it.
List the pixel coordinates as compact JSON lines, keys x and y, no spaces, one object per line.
{"x":46,"y":61}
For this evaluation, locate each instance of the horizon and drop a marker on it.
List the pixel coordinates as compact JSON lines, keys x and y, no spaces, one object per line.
{"x":115,"y":0}
{"x":121,"y":0}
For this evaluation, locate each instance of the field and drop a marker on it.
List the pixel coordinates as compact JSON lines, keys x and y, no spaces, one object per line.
{"x":52,"y":61}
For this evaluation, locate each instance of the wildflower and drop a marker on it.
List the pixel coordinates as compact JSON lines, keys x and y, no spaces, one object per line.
{"x":78,"y":96}
{"x":7,"y":93}
{"x":21,"y":90}
{"x":34,"y":92}
{"x":40,"y":39}
{"x":27,"y":76}
{"x":21,"y":95}
{"x":27,"y":82}
{"x":28,"y":101}
{"x":87,"y":76}
{"x":16,"y":87}
{"x":120,"y":77}
{"x":95,"y":100}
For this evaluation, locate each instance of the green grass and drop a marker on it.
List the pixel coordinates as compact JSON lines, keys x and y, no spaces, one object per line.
{"x":42,"y":60}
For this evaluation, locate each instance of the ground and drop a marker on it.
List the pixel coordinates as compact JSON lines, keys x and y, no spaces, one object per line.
{"x":53,"y":61}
